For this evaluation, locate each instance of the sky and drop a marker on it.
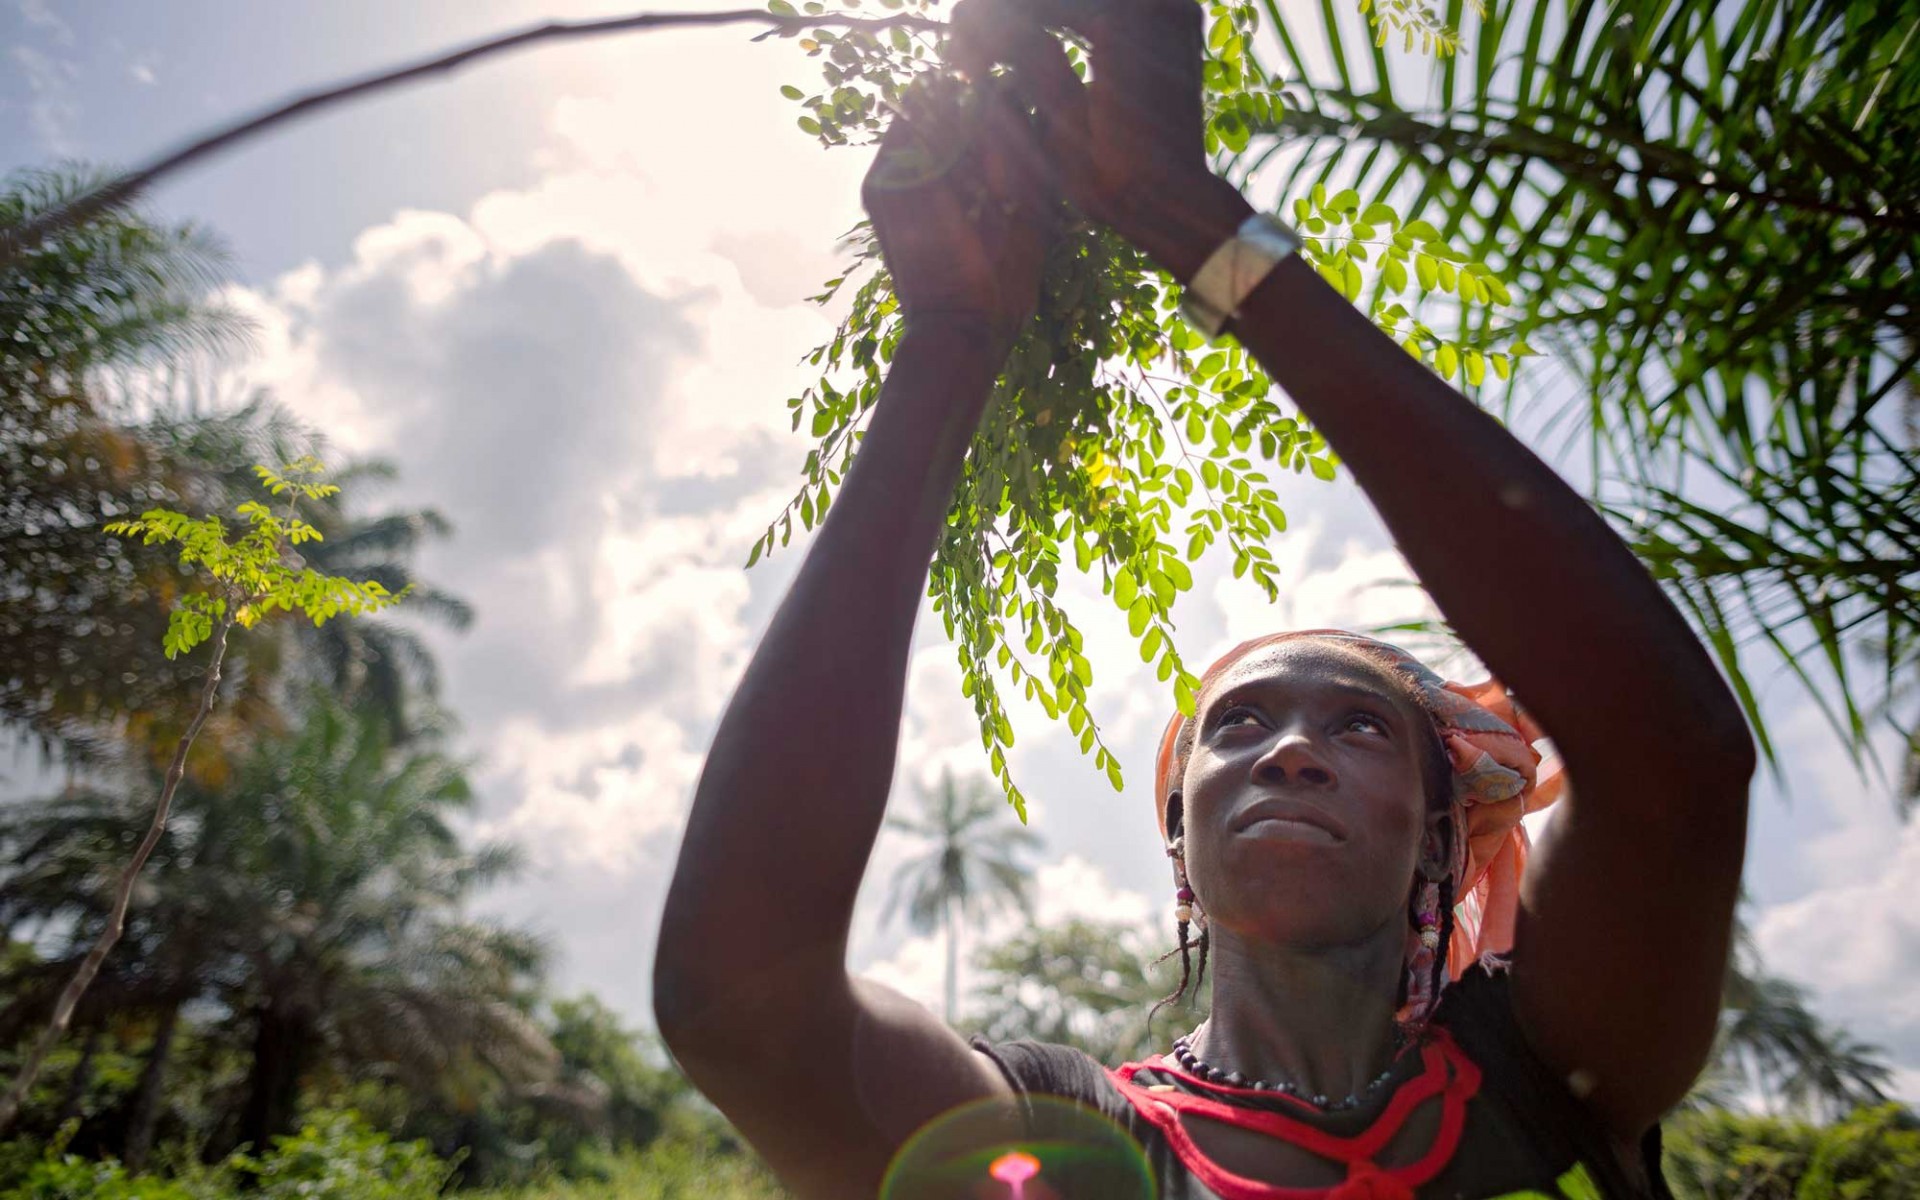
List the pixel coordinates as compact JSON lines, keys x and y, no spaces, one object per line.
{"x":564,"y":293}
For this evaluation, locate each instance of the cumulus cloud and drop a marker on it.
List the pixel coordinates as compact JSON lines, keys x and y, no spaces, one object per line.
{"x":593,"y":401}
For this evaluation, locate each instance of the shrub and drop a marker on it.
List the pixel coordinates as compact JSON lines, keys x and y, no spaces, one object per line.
{"x":337,"y":1156}
{"x":1874,"y":1154}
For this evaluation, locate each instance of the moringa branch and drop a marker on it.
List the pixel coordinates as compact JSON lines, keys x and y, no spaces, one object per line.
{"x":122,"y":189}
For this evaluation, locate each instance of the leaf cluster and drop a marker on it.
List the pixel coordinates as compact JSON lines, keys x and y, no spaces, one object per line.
{"x":255,"y":572}
{"x":1117,"y":438}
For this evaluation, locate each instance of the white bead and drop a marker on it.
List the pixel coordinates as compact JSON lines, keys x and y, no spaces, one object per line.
{"x":1183,"y":912}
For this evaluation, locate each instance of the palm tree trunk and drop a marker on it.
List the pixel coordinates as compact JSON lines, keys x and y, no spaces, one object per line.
{"x":76,"y":1094}
{"x":280,"y":1044}
{"x":145,"y":1117}
{"x":953,"y":958}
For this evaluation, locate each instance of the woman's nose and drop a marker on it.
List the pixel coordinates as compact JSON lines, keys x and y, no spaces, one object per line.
{"x":1293,"y":759}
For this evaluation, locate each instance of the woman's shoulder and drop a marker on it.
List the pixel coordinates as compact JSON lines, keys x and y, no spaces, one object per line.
{"x":1048,"y":1069}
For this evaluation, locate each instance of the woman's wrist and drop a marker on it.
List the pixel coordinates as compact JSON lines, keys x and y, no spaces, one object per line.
{"x":972,"y":338}
{"x":1180,"y":224}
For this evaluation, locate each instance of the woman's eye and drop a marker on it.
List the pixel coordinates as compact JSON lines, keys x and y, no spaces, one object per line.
{"x":1238,"y":716}
{"x":1363,"y":721}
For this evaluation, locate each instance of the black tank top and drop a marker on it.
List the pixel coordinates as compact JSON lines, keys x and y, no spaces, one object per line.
{"x":1515,"y":1131}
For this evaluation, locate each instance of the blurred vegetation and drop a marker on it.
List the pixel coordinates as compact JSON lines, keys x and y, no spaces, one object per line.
{"x":1871,"y":1154}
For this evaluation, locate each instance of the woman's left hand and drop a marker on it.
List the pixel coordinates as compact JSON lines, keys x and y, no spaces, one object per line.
{"x":965,"y":209}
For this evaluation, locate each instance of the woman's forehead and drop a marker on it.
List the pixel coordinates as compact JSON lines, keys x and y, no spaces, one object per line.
{"x":1308,"y":663}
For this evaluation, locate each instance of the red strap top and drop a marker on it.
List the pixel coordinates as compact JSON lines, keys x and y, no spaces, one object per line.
{"x":1448,"y":1073}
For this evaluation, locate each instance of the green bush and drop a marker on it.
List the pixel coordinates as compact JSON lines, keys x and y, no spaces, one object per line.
{"x":668,"y":1169}
{"x":69,"y":1177}
{"x":1872,"y":1155}
{"x":337,"y":1156}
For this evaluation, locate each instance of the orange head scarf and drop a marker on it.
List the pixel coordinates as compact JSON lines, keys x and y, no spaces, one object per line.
{"x":1498,"y":777}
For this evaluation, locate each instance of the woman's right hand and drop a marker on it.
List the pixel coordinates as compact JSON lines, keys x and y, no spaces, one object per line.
{"x":965,"y":208}
{"x":1130,"y":147}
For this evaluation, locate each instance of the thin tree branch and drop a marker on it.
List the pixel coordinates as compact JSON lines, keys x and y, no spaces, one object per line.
{"x":123,"y":189}
{"x":123,"y":893}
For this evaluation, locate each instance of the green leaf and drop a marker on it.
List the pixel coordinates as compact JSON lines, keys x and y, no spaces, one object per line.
{"x":1139,"y":613}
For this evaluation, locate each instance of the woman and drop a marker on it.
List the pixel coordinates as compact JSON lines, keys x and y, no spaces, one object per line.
{"x":1316,"y":808}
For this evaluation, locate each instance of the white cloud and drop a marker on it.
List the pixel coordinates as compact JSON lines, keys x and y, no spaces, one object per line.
{"x":591,"y":397}
{"x":1327,"y":581}
{"x":1856,"y":946}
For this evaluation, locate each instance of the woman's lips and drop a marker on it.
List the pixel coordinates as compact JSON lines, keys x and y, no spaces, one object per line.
{"x":1287,"y":819}
{"x":1288,"y":829}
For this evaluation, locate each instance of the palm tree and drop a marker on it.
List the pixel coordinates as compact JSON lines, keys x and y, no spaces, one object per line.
{"x":81,"y":616}
{"x":1772,"y":1044}
{"x":1711,"y":212}
{"x":970,"y":866}
{"x":317,"y":897}
{"x":82,"y":443}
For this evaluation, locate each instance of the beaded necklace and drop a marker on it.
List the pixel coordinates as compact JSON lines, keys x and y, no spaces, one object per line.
{"x":1196,"y":1066}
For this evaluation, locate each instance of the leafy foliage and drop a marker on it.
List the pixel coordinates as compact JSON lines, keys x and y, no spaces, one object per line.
{"x":1114,"y":423}
{"x":1081,"y":983}
{"x":1723,"y":1155}
{"x":1771,"y":1042}
{"x":254,"y":574}
{"x":1711,"y":215}
{"x":335,"y":1156}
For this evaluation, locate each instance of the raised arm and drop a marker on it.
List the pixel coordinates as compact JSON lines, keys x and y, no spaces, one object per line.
{"x":1627,"y":910}
{"x":824,"y":1074}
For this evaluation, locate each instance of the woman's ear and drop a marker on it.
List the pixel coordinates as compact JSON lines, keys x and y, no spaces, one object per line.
{"x":1176,"y":813}
{"x":1436,"y":846}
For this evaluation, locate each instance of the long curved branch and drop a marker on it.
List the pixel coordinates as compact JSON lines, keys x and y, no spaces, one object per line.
{"x":122,"y":189}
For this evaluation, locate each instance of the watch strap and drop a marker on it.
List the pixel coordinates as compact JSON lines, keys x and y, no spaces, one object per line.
{"x":1214,"y":295}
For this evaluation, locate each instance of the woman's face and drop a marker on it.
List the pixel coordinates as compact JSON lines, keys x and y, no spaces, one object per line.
{"x":1303,"y":806}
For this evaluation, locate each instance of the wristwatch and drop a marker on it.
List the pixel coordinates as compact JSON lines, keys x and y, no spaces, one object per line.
{"x":1214,"y":295}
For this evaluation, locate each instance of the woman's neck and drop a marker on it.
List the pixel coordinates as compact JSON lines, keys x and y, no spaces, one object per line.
{"x":1322,"y":1019}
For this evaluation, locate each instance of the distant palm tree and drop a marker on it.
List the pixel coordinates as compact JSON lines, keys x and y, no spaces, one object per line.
{"x":81,"y":614}
{"x":1771,"y":1042}
{"x":970,"y":866}
{"x":317,"y":897}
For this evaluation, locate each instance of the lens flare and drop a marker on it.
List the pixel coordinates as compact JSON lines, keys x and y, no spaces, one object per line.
{"x":1014,"y":1168}
{"x":985,"y":1151}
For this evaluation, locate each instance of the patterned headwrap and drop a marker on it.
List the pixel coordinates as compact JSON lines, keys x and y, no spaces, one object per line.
{"x":1498,"y":777}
